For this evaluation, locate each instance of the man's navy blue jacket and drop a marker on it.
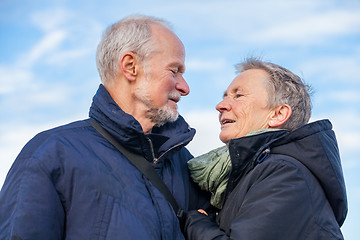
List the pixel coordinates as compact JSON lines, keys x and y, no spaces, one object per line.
{"x":61,"y":186}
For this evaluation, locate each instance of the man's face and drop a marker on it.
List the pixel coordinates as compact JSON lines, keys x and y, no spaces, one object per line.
{"x":244,"y":107}
{"x":162,"y":83}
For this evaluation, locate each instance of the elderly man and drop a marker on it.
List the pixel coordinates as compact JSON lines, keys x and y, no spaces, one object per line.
{"x":71,"y":183}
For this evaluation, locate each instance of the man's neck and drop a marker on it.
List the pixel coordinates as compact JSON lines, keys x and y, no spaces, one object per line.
{"x":146,"y":125}
{"x":130,"y":105}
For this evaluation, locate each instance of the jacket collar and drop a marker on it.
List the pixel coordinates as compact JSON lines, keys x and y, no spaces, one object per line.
{"x":245,"y":150}
{"x":314,"y":145}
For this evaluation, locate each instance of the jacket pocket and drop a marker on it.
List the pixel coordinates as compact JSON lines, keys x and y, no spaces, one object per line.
{"x":103,"y":216}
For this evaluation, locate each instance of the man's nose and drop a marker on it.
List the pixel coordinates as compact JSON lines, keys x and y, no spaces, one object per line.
{"x":182,"y":86}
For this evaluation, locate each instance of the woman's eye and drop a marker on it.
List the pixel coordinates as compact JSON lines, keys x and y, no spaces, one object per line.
{"x":174,"y":71}
{"x":238,"y":95}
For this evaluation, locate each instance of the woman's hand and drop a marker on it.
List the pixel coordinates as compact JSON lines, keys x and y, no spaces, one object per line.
{"x":202,"y":211}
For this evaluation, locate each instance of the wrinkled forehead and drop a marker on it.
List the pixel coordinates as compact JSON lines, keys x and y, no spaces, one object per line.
{"x":252,"y":80}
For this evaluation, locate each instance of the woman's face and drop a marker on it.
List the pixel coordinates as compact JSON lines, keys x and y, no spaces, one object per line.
{"x":244,"y":106}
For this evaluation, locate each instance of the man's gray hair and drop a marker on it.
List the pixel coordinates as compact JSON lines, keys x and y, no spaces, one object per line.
{"x":131,"y":34}
{"x":284,"y":87}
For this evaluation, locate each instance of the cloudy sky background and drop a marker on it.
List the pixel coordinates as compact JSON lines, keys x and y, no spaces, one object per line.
{"x":48,"y":73}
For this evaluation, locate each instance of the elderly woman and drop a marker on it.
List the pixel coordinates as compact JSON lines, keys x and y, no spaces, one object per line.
{"x":277,"y":177}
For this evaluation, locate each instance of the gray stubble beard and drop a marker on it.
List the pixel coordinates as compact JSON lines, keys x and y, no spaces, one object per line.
{"x":159,"y":116}
{"x":162,"y":115}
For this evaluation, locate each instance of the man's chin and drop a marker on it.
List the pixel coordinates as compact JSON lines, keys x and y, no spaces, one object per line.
{"x":171,"y":105}
{"x":164,"y":115}
{"x":171,"y":116}
{"x":171,"y":112}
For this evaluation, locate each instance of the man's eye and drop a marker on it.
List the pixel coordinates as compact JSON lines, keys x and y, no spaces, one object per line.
{"x":238,"y":95}
{"x":174,"y":71}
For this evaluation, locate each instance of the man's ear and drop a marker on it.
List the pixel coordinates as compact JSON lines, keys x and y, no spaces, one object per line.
{"x":128,"y":66}
{"x":280,"y":115}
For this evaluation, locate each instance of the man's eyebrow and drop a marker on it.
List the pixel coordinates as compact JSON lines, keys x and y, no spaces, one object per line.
{"x":177,"y":65}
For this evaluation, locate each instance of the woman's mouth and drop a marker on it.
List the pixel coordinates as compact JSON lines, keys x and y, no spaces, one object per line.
{"x":226,"y":121}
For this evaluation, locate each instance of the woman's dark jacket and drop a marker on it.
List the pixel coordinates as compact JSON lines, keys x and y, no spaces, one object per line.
{"x":62,"y":185}
{"x":283,"y":185}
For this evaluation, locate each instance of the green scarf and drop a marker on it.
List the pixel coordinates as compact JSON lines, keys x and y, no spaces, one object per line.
{"x":211,"y":171}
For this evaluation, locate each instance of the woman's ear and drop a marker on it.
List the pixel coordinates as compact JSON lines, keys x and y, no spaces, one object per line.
{"x":280,"y":115}
{"x":128,"y":66}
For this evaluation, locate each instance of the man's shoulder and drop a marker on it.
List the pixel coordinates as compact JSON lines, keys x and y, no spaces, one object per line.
{"x":64,"y":130}
{"x":55,"y":135}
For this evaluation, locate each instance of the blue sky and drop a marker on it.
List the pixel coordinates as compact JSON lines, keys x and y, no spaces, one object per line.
{"x":48,"y":73}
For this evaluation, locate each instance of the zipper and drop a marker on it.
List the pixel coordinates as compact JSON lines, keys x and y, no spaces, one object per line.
{"x":263,"y":156}
{"x":155,"y":159}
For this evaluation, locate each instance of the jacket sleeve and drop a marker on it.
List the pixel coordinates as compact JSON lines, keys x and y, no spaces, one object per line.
{"x":201,"y":227}
{"x":30,"y":207}
{"x":275,"y":205}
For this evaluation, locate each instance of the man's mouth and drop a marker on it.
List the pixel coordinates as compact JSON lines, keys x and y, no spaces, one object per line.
{"x":174,"y":96}
{"x":176,"y":100}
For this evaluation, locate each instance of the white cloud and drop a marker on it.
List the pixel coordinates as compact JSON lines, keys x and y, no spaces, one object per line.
{"x":310,"y":27}
{"x":60,"y":26}
{"x":51,"y":19}
{"x":290,"y":22}
{"x":22,"y":92}
{"x":349,"y":141}
{"x":64,"y":57}
{"x":13,"y":78}
{"x":346,"y":124}
{"x":343,"y":69}
{"x":205,"y":64}
{"x":357,"y":193}
{"x":55,"y":24}
{"x":349,"y":97}
{"x":347,"y":127}
{"x":46,"y":45}
{"x":55,"y":93}
{"x":19,"y":79}
{"x":207,"y":131}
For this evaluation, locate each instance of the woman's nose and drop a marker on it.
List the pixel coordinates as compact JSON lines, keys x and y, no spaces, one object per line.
{"x":224,"y":105}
